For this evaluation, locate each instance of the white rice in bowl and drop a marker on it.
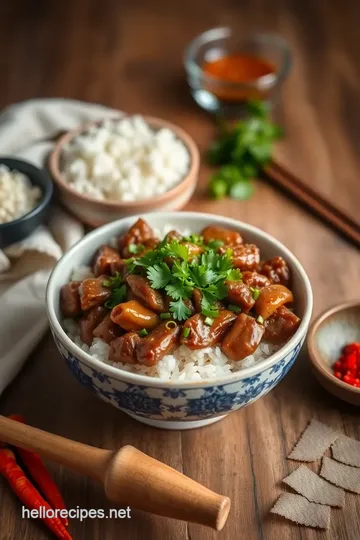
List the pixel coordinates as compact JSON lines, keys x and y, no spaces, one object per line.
{"x":183,"y":365}
{"x":124,"y":160}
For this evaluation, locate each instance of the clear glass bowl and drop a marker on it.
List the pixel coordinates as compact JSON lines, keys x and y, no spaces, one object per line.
{"x":228,"y":98}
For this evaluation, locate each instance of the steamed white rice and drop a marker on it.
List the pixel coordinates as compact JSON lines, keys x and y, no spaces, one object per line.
{"x":124,"y":160}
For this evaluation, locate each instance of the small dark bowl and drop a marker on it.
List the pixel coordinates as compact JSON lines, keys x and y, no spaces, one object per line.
{"x":16,"y":230}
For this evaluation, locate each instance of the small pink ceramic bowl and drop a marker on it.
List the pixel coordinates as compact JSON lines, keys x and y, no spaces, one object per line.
{"x":96,"y":212}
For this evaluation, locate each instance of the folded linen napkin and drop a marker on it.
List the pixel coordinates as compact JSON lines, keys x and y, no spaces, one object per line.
{"x":26,"y":132}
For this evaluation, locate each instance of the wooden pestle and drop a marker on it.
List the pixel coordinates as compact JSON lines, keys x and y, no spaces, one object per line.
{"x":129,"y":476}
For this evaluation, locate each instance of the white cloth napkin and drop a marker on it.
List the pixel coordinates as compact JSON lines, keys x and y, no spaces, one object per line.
{"x":26,"y":130}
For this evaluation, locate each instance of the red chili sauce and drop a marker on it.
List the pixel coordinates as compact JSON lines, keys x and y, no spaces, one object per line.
{"x":238,"y":68}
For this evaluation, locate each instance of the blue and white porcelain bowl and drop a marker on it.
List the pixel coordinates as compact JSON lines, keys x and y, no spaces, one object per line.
{"x":173,"y":404}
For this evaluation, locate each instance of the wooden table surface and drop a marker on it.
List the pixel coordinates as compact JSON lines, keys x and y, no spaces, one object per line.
{"x":129,"y":55}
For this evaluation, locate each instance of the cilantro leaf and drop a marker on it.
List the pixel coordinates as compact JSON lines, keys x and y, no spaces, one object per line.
{"x":178,"y":290}
{"x":221,"y":290}
{"x":148,"y":259}
{"x":234,"y":274}
{"x":113,"y":281}
{"x":159,"y":275}
{"x":180,"y":310}
{"x":174,"y":249}
{"x":224,"y":262}
{"x":180,"y":270}
{"x":118,"y":295}
{"x":209,"y":276}
{"x":242,"y":151}
{"x":209,"y":260}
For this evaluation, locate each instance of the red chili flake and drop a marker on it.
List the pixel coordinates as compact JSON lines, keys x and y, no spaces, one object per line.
{"x":347,"y":367}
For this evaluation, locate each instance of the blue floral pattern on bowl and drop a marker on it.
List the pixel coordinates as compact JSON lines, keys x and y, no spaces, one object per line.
{"x":183,"y":404}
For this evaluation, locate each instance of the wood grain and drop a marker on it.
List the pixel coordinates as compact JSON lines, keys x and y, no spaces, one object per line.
{"x":129,"y":55}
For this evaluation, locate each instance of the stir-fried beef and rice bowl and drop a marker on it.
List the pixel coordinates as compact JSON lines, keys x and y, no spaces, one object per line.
{"x":180,"y":306}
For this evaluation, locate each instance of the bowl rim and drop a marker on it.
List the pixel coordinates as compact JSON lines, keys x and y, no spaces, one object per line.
{"x":142,"y":204}
{"x":262,"y":82}
{"x":135,"y":378}
{"x":32,"y":171}
{"x":315,"y":356}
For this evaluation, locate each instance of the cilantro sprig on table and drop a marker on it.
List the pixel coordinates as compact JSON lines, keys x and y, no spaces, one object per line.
{"x":242,"y":151}
{"x":169,"y":267}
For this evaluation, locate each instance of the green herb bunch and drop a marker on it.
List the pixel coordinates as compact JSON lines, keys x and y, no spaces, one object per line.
{"x":170,"y":268}
{"x":242,"y":151}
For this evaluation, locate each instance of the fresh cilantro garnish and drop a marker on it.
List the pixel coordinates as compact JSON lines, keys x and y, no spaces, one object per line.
{"x":148,"y":259}
{"x":118,"y":295}
{"x":159,"y":275}
{"x":178,"y":290}
{"x":242,"y":152}
{"x":234,"y":274}
{"x":180,"y":310}
{"x":118,"y":290}
{"x":113,"y":281}
{"x":168,"y":267}
{"x":174,"y":249}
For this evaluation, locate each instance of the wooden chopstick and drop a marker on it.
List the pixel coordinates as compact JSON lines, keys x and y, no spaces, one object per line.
{"x":313,"y":201}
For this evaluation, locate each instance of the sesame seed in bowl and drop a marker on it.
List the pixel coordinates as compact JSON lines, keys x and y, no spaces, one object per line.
{"x":123,"y":166}
{"x":18,"y":195}
{"x":25,"y":196}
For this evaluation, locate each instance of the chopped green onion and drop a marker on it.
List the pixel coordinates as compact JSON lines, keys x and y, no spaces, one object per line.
{"x":255,"y":292}
{"x":143,"y":332}
{"x":170,"y":325}
{"x":186,"y":332}
{"x":209,"y":321}
{"x":165,"y":315}
{"x":260,"y":319}
{"x":136,"y":248}
{"x":214,"y":244}
{"x":235,"y":309}
{"x":194,"y":239}
{"x":208,"y":312}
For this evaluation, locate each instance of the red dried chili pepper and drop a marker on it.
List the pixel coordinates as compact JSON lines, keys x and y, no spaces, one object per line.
{"x":40,"y":475}
{"x":27,"y":493}
{"x":347,"y":368}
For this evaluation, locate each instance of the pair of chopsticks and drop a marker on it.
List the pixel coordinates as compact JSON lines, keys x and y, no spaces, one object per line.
{"x":313,"y":201}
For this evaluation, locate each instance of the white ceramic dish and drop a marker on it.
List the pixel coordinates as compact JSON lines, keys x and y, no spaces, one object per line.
{"x":172,"y":404}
